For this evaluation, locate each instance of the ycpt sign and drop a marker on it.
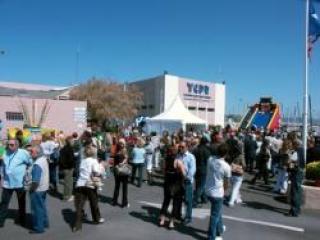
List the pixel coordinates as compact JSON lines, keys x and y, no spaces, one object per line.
{"x":198,"y":89}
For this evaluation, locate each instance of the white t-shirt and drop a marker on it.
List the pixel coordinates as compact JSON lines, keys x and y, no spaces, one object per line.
{"x":88,"y":166}
{"x":294,"y":156}
{"x":275,"y":144}
{"x":48,"y":147}
{"x":218,"y":169}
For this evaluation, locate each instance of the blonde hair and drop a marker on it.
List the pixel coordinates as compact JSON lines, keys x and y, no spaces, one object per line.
{"x":140,"y":142}
{"x":46,"y":137}
{"x":122,"y":140}
{"x":286,"y":145}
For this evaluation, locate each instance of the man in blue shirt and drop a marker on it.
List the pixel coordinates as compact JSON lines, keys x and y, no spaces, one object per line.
{"x":189,"y":162}
{"x":14,"y":163}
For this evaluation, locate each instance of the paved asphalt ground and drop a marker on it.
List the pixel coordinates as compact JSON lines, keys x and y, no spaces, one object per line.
{"x":261,"y":217}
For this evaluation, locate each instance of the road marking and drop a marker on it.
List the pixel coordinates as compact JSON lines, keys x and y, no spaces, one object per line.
{"x":203,"y":213}
{"x":264,"y":223}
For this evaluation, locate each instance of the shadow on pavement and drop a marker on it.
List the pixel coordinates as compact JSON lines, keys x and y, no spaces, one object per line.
{"x":262,"y":188}
{"x":105,"y":199}
{"x":14,"y":214}
{"x":259,"y":205}
{"x":156,"y":184}
{"x":55,"y":194}
{"x":68,"y":216}
{"x":268,"y":194}
{"x":282,"y":199}
{"x":152,"y":216}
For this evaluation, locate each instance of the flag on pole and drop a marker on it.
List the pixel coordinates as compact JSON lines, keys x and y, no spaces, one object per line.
{"x":314,"y":28}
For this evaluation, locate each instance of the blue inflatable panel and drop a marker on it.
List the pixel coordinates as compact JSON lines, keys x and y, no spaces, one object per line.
{"x":261,"y":119}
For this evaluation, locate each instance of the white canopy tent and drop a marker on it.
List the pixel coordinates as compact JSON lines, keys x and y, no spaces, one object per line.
{"x":176,"y":117}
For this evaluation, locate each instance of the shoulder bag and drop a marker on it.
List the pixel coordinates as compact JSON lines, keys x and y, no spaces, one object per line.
{"x":123,"y":169}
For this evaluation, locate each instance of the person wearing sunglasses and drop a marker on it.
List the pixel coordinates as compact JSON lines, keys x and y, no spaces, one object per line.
{"x":15,"y":162}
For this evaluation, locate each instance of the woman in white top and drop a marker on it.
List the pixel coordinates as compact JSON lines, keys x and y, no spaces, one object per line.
{"x":50,"y":149}
{"x":148,"y":158}
{"x":89,"y":167}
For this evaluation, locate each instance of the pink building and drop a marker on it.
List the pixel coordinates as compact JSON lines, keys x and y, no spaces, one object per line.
{"x":29,"y":104}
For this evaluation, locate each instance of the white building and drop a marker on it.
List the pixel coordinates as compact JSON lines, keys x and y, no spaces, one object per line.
{"x":203,"y":99}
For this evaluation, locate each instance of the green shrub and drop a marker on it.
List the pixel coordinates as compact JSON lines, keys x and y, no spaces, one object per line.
{"x":313,"y":170}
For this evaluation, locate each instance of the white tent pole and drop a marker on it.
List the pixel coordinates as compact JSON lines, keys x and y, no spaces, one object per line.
{"x":305,"y":85}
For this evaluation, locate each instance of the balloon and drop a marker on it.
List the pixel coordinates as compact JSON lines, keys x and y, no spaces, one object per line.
{"x":12,"y":132}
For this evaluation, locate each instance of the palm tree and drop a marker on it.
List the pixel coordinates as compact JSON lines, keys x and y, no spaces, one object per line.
{"x":30,"y":119}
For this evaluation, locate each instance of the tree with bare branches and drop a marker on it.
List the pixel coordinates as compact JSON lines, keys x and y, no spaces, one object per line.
{"x":108,"y":100}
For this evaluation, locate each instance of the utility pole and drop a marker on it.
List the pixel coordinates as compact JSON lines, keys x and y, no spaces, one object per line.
{"x":76,"y":78}
{"x":2,"y":52}
{"x":310,"y":113}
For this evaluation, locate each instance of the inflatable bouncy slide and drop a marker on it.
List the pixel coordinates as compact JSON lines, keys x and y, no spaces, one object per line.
{"x":264,"y":115}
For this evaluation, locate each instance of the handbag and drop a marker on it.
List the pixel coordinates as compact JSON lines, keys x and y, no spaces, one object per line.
{"x":94,"y":182}
{"x":236,"y":168}
{"x":123,"y":169}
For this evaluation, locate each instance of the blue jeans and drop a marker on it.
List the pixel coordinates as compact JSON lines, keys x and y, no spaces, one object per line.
{"x":39,"y":211}
{"x":188,"y":199}
{"x":282,"y":181}
{"x":135,"y":167}
{"x":215,"y":225}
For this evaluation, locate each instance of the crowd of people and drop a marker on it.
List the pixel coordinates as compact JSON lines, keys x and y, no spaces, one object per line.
{"x":198,"y":168}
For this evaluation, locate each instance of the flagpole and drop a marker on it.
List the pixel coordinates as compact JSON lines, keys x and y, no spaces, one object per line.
{"x":305,"y":85}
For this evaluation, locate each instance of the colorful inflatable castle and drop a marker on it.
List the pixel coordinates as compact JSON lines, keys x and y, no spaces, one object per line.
{"x":264,"y":115}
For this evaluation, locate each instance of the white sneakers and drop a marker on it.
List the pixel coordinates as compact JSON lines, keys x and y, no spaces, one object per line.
{"x":224,"y":229}
{"x":230,"y":204}
{"x":238,"y":201}
{"x":70,"y":199}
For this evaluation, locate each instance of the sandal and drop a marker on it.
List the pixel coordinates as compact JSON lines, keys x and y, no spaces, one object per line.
{"x":162,"y":221}
{"x":171,"y":225}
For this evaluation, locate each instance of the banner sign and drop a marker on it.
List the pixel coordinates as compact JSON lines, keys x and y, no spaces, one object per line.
{"x":197,"y":90}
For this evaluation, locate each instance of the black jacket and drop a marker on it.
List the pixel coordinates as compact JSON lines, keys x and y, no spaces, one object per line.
{"x":313,"y":154}
{"x":67,"y":159}
{"x":202,"y":154}
{"x":250,"y":147}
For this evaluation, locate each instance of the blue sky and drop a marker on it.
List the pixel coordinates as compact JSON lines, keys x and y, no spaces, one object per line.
{"x":256,"y":46}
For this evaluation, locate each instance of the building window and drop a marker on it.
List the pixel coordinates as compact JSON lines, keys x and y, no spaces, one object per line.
{"x":63,"y":97}
{"x":210,"y":110}
{"x":143,"y":107}
{"x":201,"y":109}
{"x":14,"y":116}
{"x":151,"y":106}
{"x":191,"y":108}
